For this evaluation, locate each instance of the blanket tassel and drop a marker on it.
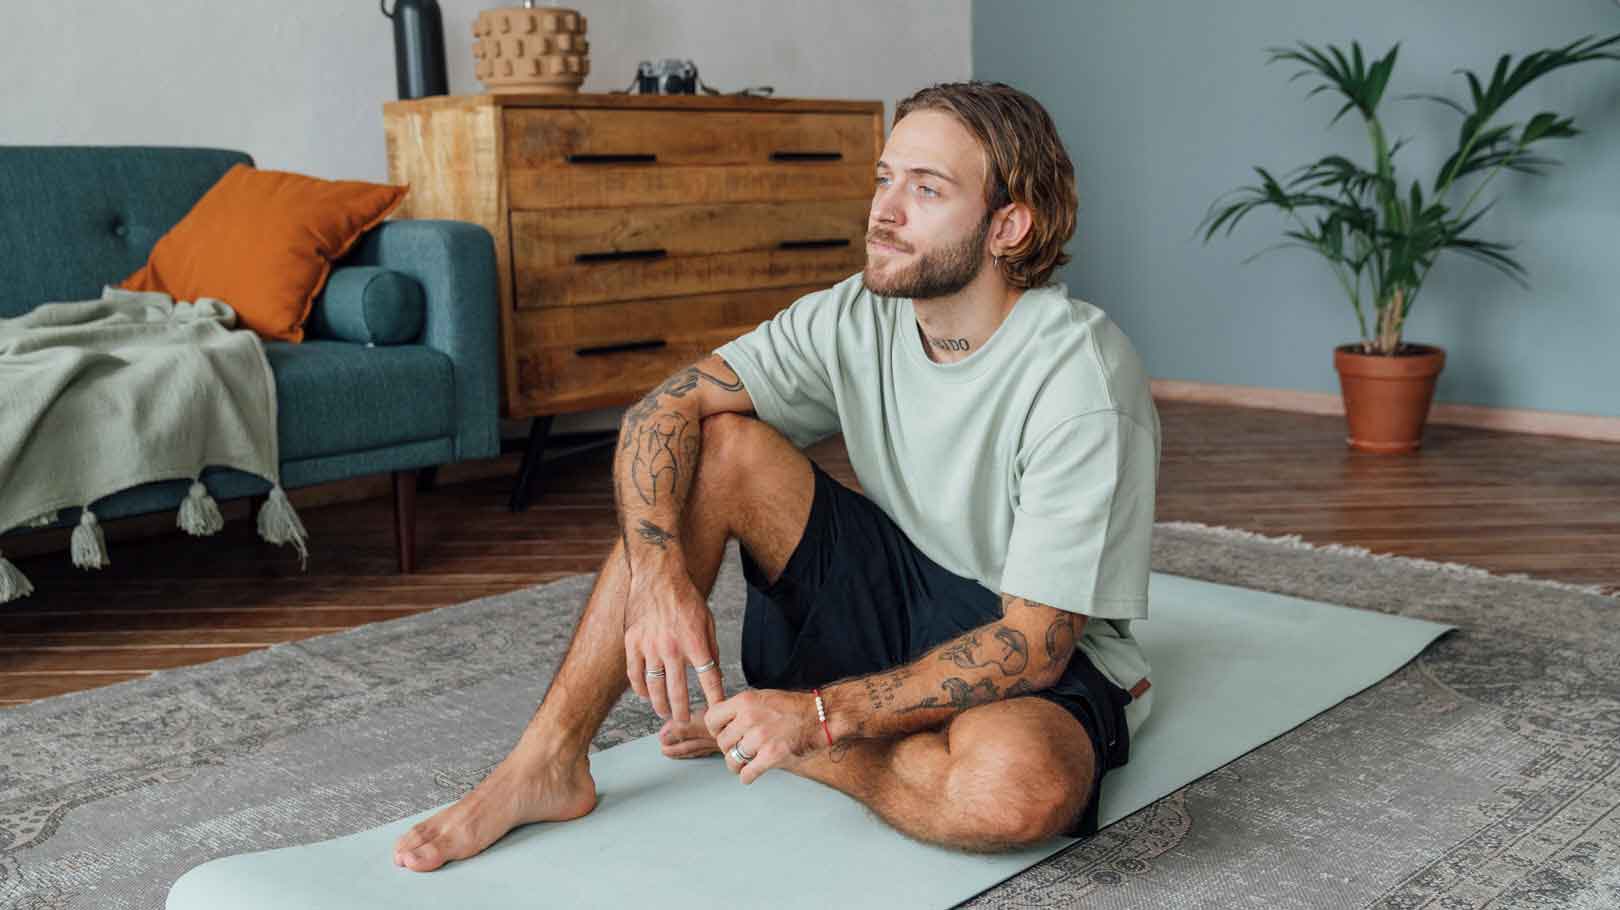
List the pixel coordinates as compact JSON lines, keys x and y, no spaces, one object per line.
{"x":279,"y":524}
{"x":199,"y":513}
{"x":89,"y":543}
{"x":13,"y":583}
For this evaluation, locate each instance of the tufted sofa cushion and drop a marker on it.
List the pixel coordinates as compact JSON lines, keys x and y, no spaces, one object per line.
{"x":75,"y":218}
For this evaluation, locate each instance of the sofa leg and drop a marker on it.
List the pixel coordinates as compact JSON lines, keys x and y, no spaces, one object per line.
{"x":405,"y":519}
{"x":428,"y":480}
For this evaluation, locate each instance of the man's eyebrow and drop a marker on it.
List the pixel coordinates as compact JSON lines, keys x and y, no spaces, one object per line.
{"x":884,"y":166}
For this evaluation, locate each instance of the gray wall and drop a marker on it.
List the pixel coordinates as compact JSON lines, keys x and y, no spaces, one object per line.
{"x":1165,"y":104}
{"x":300,"y":84}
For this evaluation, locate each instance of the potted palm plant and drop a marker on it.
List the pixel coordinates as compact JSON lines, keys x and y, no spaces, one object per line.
{"x":1381,"y":240}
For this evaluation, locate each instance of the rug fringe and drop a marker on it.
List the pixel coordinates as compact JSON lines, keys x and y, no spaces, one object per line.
{"x":1294,"y":541}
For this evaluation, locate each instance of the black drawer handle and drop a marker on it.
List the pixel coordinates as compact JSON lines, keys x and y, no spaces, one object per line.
{"x":612,"y":159}
{"x":651,"y":344}
{"x":813,"y":244}
{"x":807,"y":156}
{"x":620,"y":255}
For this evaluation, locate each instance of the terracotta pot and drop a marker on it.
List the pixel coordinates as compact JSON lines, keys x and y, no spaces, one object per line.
{"x":1386,"y":399}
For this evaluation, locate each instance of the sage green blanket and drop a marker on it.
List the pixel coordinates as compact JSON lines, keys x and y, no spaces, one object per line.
{"x":103,"y":395}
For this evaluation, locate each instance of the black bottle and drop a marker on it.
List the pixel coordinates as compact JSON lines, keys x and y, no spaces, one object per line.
{"x":418,"y":47}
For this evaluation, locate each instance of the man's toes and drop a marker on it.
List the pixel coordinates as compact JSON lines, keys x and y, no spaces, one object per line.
{"x":691,"y":748}
{"x":410,"y":840}
{"x":426,"y":857}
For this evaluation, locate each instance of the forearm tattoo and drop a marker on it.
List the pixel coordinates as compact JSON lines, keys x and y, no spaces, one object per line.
{"x":1012,"y":661}
{"x":1059,"y":640}
{"x":959,"y":695}
{"x":1059,"y":634}
{"x":663,"y":443}
{"x":657,"y":463}
{"x":1008,"y":654}
{"x":654,"y":535}
{"x":882,"y":690}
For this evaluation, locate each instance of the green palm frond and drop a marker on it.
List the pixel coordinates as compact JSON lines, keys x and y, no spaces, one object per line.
{"x":1356,"y":217}
{"x":1362,"y":86}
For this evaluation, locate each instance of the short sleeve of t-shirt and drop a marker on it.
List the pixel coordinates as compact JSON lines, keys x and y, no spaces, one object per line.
{"x":786,"y":365}
{"x":1083,"y":517}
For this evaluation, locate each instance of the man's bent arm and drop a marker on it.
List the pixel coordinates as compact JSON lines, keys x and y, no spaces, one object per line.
{"x":660,"y":439}
{"x":1024,"y":651}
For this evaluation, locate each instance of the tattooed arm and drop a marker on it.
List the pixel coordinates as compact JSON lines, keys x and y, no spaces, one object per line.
{"x":659,"y":441}
{"x":1025,"y":651}
{"x":667,"y":621}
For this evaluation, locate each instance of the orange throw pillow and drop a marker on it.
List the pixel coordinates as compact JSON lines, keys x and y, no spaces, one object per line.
{"x":264,"y":242}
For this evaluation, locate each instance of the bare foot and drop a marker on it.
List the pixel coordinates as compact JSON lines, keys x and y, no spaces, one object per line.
{"x":520,"y":790}
{"x":688,"y":740}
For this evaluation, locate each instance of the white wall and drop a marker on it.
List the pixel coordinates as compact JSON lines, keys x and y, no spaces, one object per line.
{"x":300,"y":84}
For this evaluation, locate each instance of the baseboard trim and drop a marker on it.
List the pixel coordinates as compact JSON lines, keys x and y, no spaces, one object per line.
{"x":1593,"y":427}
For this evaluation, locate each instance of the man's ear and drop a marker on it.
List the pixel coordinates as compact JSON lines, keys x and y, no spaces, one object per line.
{"x":1010,"y":226}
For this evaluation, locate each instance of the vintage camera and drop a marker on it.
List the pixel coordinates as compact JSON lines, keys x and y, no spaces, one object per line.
{"x":667,"y":77}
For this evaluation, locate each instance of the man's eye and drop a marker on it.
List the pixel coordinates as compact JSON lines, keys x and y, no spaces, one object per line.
{"x":927,"y":189}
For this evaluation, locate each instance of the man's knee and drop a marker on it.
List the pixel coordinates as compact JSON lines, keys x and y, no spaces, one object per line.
{"x":722,"y":432}
{"x":1013,"y":788}
{"x":736,"y":447}
{"x":1015,"y":799}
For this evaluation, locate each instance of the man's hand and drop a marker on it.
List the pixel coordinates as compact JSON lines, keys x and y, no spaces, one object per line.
{"x":778,"y":728}
{"x":667,"y":624}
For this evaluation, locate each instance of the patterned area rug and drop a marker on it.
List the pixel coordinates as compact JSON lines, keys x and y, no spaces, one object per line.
{"x":1482,"y":774}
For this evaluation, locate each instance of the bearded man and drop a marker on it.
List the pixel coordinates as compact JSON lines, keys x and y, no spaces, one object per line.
{"x":952,"y":648}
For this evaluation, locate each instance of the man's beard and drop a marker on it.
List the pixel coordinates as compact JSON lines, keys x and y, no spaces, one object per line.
{"x":934,"y":274}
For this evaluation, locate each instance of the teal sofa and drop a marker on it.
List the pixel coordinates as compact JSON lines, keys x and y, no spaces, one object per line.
{"x":75,"y":218}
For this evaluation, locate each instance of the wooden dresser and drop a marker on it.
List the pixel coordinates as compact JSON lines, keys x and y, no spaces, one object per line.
{"x":636,"y":233}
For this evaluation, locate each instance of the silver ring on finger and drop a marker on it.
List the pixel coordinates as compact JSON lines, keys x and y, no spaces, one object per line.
{"x":656,"y":674}
{"x":705,"y":668}
{"x":739,"y":756}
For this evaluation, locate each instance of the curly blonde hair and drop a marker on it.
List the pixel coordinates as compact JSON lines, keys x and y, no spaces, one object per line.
{"x":1025,"y":162}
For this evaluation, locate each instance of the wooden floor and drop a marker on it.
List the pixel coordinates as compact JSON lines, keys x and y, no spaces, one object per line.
{"x":1541,"y":505}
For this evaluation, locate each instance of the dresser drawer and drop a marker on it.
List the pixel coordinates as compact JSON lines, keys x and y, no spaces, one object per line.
{"x":570,"y":257}
{"x":610,"y":354}
{"x":559,"y":158}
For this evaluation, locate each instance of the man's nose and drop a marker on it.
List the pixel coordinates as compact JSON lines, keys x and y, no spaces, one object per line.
{"x":885,"y":210}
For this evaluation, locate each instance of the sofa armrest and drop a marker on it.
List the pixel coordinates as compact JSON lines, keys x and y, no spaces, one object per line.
{"x":454,"y":261}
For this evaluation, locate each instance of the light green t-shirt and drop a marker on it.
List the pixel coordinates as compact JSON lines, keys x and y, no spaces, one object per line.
{"x":1029,"y":466}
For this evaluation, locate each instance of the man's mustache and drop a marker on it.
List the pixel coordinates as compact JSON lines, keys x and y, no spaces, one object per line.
{"x":887,"y":240}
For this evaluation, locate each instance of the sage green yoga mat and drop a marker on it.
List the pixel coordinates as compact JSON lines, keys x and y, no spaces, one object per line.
{"x":1232,"y":669}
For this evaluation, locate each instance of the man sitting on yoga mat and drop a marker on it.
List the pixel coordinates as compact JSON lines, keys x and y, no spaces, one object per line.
{"x":964,"y":627}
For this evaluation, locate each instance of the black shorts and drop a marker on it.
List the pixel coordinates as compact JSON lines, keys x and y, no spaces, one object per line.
{"x":856,"y":598}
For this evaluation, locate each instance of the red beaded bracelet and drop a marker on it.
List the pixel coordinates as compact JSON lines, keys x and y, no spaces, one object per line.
{"x":821,"y":711}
